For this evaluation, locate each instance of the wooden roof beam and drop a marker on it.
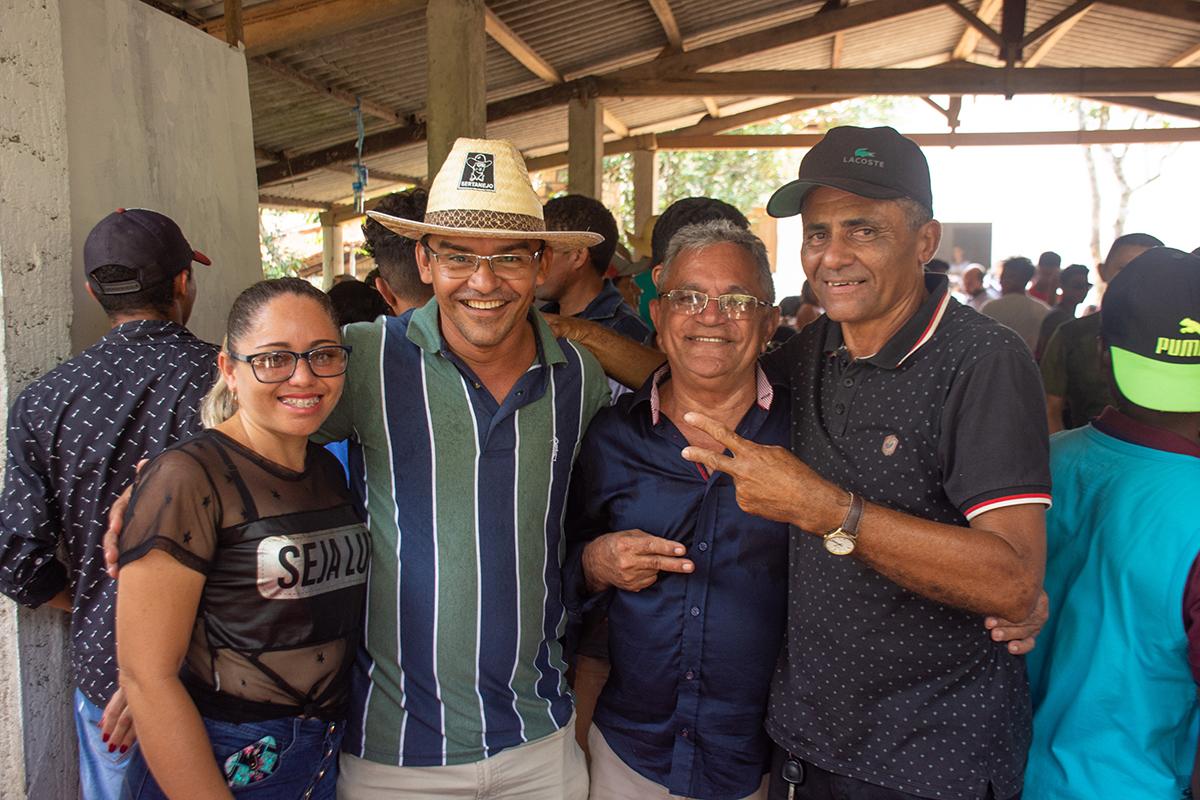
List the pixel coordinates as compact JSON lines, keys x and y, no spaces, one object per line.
{"x":290,"y":202}
{"x":817,"y":26}
{"x":1185,"y":10}
{"x":234,"y":33}
{"x":710,"y":106}
{"x":383,"y":175}
{"x":982,"y":28}
{"x":988,"y":10}
{"x":705,"y":127}
{"x":347,"y":99}
{"x":518,"y":48}
{"x":999,"y":139}
{"x":277,"y":24}
{"x":666,"y":18}
{"x":950,"y":80}
{"x":1186,"y":58}
{"x":1053,"y":30}
{"x":1151,"y":104}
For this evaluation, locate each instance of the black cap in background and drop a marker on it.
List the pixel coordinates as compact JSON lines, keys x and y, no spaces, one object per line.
{"x":145,"y":241}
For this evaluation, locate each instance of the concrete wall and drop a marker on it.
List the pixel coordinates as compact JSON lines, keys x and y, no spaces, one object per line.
{"x":35,"y":302}
{"x":158,"y":116}
{"x":106,"y":103}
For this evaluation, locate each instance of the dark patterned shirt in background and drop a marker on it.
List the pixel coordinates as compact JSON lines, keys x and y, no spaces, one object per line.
{"x":75,"y":437}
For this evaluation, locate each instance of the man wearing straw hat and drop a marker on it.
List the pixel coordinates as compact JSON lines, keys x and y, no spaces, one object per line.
{"x":465,"y":416}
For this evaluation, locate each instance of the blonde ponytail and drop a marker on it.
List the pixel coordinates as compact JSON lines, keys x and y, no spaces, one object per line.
{"x":220,"y":403}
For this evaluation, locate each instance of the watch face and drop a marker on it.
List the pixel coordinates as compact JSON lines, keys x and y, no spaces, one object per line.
{"x":839,"y":544}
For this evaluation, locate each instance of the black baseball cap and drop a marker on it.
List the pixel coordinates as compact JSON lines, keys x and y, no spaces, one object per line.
{"x":878,"y":163}
{"x":1151,"y":324}
{"x":142,"y":240}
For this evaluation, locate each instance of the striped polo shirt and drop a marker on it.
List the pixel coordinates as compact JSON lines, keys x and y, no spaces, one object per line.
{"x":464,"y":498}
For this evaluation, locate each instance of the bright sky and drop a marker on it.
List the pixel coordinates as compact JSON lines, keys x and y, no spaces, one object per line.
{"x":1036,"y":198}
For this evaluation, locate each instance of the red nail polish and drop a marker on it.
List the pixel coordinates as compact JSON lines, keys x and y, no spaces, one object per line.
{"x":124,"y":747}
{"x":105,"y":737}
{"x":112,"y":748}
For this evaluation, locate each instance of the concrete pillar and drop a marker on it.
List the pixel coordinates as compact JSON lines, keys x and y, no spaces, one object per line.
{"x":94,"y":94}
{"x":456,"y":100}
{"x":352,"y":262}
{"x":331,"y":250}
{"x":37,"y":742}
{"x":585,"y":137}
{"x":645,"y":189}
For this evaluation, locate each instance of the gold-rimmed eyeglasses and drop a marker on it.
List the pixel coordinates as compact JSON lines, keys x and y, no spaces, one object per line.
{"x":733,"y":306}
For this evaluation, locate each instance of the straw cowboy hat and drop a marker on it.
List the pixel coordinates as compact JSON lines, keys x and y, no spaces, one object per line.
{"x":483,"y":191}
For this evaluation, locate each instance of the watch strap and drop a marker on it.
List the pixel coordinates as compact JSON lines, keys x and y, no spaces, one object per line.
{"x":853,"y":515}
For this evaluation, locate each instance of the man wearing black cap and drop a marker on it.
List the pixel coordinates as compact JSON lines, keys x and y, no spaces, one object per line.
{"x":1116,"y":674}
{"x":75,"y":437}
{"x":915,"y":486}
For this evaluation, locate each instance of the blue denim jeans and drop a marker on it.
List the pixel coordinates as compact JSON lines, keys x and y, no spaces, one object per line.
{"x":101,"y":773}
{"x":306,"y":770}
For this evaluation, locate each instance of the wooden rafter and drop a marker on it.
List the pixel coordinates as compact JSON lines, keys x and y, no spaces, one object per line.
{"x":1053,"y":30}
{"x":981,"y":27}
{"x":1185,"y":10}
{"x":998,"y":139}
{"x":1153,"y":105}
{"x":835,"y":50}
{"x":342,"y":96}
{"x":518,"y":48}
{"x":1186,"y":58}
{"x":817,"y":26}
{"x":710,"y":105}
{"x":935,"y":80}
{"x":988,"y":10}
{"x":276,"y":24}
{"x":705,"y":127}
{"x":666,"y":18}
{"x":289,"y":202}
{"x":382,"y":175}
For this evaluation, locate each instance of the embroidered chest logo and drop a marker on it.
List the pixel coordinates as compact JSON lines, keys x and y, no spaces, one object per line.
{"x":479,"y":172}
{"x":890,"y":443}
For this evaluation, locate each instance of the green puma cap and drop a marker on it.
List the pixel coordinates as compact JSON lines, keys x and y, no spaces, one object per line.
{"x":1151,"y":324}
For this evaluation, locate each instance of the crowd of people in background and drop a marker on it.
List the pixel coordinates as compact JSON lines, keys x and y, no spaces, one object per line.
{"x":620,"y":527}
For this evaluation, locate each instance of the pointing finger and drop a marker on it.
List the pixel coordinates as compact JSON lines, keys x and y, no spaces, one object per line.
{"x":716,"y":462}
{"x":716,"y":430}
{"x":656,"y":545}
{"x":665,"y":564}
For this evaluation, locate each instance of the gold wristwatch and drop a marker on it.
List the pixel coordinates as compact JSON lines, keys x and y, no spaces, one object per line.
{"x":841,"y":540}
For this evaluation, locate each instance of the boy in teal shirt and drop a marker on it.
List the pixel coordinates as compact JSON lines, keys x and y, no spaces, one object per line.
{"x":1115,"y":674}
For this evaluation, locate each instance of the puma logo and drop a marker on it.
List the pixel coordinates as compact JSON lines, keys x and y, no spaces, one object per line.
{"x":1189,"y":325}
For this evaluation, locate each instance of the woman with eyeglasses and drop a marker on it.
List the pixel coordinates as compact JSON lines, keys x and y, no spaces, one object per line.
{"x":243,"y":559}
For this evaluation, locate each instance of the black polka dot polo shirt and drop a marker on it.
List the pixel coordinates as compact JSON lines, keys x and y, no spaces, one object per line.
{"x":875,"y":682}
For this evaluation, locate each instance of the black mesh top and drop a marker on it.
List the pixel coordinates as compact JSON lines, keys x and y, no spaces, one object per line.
{"x":285,"y":557}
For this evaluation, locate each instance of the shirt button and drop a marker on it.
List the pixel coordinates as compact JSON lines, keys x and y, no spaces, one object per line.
{"x":847,"y":382}
{"x":840,"y":408}
{"x":703,"y":546}
{"x":689,"y":675}
{"x":695,"y":611}
{"x":684,"y":733}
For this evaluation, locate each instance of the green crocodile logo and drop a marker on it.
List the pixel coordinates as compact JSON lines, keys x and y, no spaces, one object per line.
{"x":863,"y":152}
{"x":1189,"y":325}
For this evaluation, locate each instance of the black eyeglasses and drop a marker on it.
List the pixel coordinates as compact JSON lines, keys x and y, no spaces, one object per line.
{"x":733,"y":306}
{"x":277,"y":366}
{"x":505,"y":266}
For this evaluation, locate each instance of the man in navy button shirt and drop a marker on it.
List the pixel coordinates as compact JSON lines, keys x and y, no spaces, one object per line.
{"x":692,"y":648}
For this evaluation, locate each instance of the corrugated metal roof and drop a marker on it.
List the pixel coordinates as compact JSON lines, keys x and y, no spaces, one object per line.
{"x":385,"y":64}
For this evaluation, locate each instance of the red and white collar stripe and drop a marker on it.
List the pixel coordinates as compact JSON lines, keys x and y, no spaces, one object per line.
{"x":765,"y":392}
{"x":927,"y":334}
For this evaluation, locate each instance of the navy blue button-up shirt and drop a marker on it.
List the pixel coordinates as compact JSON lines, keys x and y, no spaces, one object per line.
{"x":610,"y":310}
{"x":692,"y":655}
